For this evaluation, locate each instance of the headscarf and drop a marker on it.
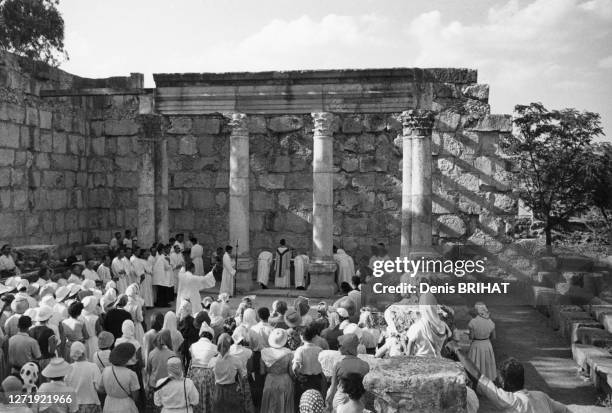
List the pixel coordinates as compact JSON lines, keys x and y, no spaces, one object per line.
{"x":481,"y":309}
{"x":334,"y":319}
{"x":249,"y":318}
{"x":312,"y":402}
{"x":127,"y":334}
{"x":270,"y":355}
{"x":77,"y":350}
{"x":170,"y":323}
{"x":366,"y":320}
{"x":90,"y":304}
{"x":29,"y":376}
{"x":215,"y":314}
{"x":132,"y":291}
{"x":111,"y":285}
{"x":432,"y":325}
{"x":175,"y":368}
{"x":185,"y":309}
{"x":108,"y":299}
{"x":349,"y":344}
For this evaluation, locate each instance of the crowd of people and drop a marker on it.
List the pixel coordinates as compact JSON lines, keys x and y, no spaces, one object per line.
{"x":84,"y":334}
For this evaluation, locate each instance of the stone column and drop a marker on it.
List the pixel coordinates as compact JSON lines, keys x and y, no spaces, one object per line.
{"x":150,"y":128}
{"x":239,"y":200}
{"x":322,"y":265}
{"x":420,"y":123}
{"x":406,"y":140}
{"x":161,"y":189}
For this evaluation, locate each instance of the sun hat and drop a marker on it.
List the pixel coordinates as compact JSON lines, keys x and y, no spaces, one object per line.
{"x":44,"y":313}
{"x":352,"y":328}
{"x":47,"y":301}
{"x":5,"y":288}
{"x":61,"y":293}
{"x":240,"y":333}
{"x":105,"y":339}
{"x":277,"y":338}
{"x":77,"y":349}
{"x":46,"y":290}
{"x":206,"y":328}
{"x":348,"y":344}
{"x":33,"y":289}
{"x":31,"y":312}
{"x":20,"y":304}
{"x":74,"y":289}
{"x":13,"y":281}
{"x":88,"y":284}
{"x":57,"y":367}
{"x":121,"y":354}
{"x":22,"y":284}
{"x":293,"y":318}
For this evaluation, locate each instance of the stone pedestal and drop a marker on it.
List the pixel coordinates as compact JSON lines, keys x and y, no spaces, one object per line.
{"x":161,"y":190}
{"x":146,"y":186}
{"x":239,"y":199}
{"x":322,"y":265}
{"x":416,"y":384}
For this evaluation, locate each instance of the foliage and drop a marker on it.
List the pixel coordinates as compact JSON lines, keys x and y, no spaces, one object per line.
{"x":602,"y":171}
{"x":34,"y":29}
{"x":553,"y":156}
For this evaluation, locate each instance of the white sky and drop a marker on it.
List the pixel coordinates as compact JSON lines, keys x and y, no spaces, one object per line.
{"x":558,"y":52}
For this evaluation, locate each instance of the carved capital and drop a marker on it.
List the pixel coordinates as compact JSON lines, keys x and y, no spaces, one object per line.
{"x":417,"y":122}
{"x":239,"y":124}
{"x":323,"y":122}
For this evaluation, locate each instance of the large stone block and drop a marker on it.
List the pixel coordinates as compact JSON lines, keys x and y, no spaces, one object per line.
{"x":447,"y":122}
{"x":450,"y":226}
{"x":193,"y":180}
{"x":12,"y":112}
{"x":498,"y":123}
{"x":287,"y":123}
{"x":202,"y":199}
{"x":46,"y":119}
{"x":262,"y":201}
{"x":352,"y":124}
{"x":477,"y":91}
{"x":207,"y":125}
{"x":414,"y":384}
{"x":59,"y":142}
{"x":9,"y":135}
{"x":121,"y":127}
{"x":5,"y":177}
{"x":257,"y":125}
{"x":76,"y":144}
{"x":187,"y":146}
{"x":298,"y":181}
{"x":272,"y":181}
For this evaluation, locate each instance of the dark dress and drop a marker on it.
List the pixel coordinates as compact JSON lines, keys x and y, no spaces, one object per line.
{"x":113,"y":321}
{"x":190,"y":336}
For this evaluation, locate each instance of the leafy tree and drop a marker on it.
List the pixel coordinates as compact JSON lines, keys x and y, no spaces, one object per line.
{"x":601,"y":171}
{"x":34,"y":29}
{"x":553,"y":156}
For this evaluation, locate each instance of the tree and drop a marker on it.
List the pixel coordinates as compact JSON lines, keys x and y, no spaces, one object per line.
{"x":34,"y":29}
{"x":553,"y":154}
{"x":601,"y":171}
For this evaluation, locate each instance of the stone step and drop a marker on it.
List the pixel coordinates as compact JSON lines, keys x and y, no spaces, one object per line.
{"x":594,"y":336}
{"x":572,"y":327}
{"x":581,"y":353}
{"x":574,"y":263}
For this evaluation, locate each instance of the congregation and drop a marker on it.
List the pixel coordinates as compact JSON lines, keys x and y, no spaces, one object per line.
{"x":83,"y":334}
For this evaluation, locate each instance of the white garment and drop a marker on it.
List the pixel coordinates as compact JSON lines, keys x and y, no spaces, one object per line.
{"x":162,"y":271}
{"x":196,"y":257}
{"x":346,"y":266}
{"x":300,"y":265}
{"x":282,"y":269}
{"x":91,"y":345}
{"x":189,"y":286}
{"x":6,"y":263}
{"x":105,"y":274}
{"x":90,"y":275}
{"x":177,"y":262}
{"x":120,"y":272}
{"x":264,"y":261}
{"x":227,"y":280}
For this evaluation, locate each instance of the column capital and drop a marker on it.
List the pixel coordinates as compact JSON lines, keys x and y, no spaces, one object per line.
{"x":238,"y":122}
{"x":417,"y":122}
{"x":323,"y":122}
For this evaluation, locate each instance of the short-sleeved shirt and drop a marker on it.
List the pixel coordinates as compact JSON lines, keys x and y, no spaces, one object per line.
{"x":225,"y":368}
{"x":122,"y":385}
{"x":351,"y":364}
{"x":22,"y":349}
{"x":83,"y":378}
{"x":522,"y":401}
{"x":42,"y":334}
{"x":172,"y":396}
{"x":202,"y":351}
{"x":481,"y":327}
{"x":306,"y":358}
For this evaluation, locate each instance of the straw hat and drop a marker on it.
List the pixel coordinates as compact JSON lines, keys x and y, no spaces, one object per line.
{"x":44,"y":313}
{"x":88,"y":284}
{"x":77,"y":349}
{"x":57,"y":367}
{"x":20,"y":304}
{"x":31,"y":312}
{"x":293,"y":318}
{"x":61,"y":293}
{"x":277,"y":338}
{"x":13,"y":281}
{"x":6,"y":288}
{"x":33,"y":289}
{"x":74,"y":289}
{"x":121,"y":354}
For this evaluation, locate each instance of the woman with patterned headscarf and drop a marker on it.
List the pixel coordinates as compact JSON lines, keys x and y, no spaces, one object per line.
{"x":428,"y":334}
{"x":312,"y":402}
{"x":482,"y":330}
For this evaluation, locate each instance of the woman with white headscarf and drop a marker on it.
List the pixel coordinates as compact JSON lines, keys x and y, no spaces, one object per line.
{"x":90,"y":318}
{"x":171,"y":323}
{"x":135,"y":363}
{"x":428,"y":334}
{"x":134,"y":307}
{"x":216,"y":318}
{"x":175,"y":392}
{"x":482,"y":330}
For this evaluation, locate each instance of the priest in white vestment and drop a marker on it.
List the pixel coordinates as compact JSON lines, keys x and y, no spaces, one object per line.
{"x":196,"y":254}
{"x":177,"y":261}
{"x":300,"y":267}
{"x":282,"y":266}
{"x":189,"y":286}
{"x":346,"y":266}
{"x":264,"y":262}
{"x":229,"y":272}
{"x":119,"y":271}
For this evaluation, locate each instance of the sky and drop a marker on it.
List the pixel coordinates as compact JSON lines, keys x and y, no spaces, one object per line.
{"x":558,"y":52}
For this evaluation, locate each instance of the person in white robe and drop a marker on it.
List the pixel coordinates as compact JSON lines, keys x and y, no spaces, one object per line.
{"x":104,"y":271}
{"x":264,"y":262}
{"x":229,"y":272}
{"x":119,"y":271}
{"x":89,"y":273}
{"x":146,"y":285}
{"x":128,"y":261}
{"x":346,"y":266}
{"x":177,"y":261}
{"x":7,"y":263}
{"x":282,"y":266}
{"x":196,"y":254}
{"x":189,"y":286}
{"x":300,"y":266}
{"x":162,"y":277}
